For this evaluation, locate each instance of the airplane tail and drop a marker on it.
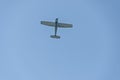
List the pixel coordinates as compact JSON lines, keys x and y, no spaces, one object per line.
{"x":55,"y":36}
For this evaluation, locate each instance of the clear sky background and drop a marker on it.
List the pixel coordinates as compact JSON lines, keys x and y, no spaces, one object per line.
{"x":88,"y":51}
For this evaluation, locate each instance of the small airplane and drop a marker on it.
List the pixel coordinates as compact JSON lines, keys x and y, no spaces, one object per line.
{"x":56,"y":25}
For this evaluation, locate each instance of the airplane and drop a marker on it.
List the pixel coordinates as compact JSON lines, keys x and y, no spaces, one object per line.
{"x":56,"y":25}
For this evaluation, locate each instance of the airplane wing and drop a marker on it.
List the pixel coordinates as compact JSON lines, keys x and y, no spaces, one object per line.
{"x":48,"y":23}
{"x":64,"y":25}
{"x":60,"y":25}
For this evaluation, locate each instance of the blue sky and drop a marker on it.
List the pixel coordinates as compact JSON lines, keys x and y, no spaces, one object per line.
{"x":88,"y":51}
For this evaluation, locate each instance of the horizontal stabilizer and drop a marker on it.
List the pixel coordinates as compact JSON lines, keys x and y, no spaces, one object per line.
{"x":55,"y":36}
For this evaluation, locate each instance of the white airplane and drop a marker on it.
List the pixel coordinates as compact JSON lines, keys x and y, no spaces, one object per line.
{"x":56,"y":25}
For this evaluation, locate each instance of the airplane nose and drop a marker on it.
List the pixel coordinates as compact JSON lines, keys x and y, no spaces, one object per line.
{"x":56,"y":18}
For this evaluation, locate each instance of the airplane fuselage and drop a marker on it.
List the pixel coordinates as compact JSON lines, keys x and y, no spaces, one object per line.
{"x":56,"y":23}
